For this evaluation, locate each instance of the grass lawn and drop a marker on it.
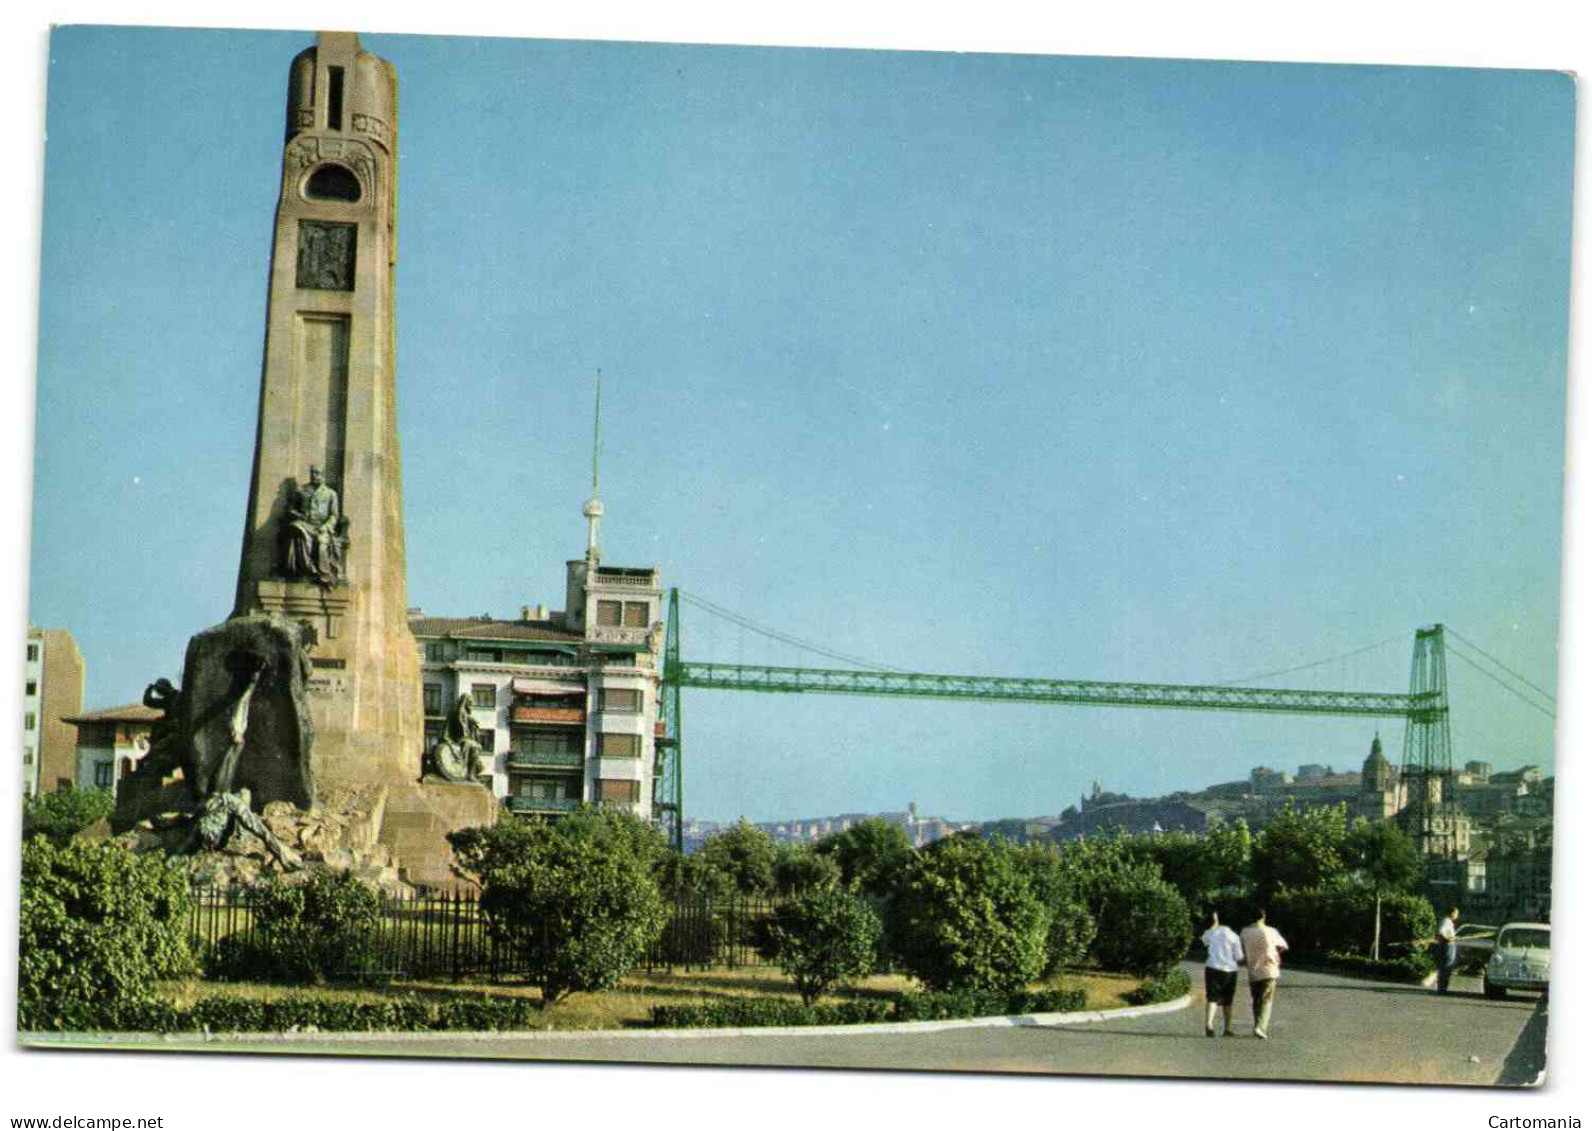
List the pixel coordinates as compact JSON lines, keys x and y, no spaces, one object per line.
{"x":630,"y":1005}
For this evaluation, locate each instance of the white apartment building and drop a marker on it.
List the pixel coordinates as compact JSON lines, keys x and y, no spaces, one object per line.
{"x":53,"y":675}
{"x":566,"y":702}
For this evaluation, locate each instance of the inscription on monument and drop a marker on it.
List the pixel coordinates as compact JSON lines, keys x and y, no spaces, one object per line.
{"x":326,"y":255}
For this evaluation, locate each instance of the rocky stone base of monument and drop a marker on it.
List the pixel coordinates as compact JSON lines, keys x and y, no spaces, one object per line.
{"x":341,"y":834}
{"x":418,"y":818}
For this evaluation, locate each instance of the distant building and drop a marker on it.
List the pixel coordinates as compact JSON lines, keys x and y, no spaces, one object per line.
{"x":110,"y":743}
{"x":53,"y":675}
{"x":1313,"y":771}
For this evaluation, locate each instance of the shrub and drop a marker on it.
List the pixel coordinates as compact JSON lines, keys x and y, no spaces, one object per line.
{"x":581,"y":905}
{"x":747,"y":1013}
{"x":322,"y":930}
{"x":1411,"y":967}
{"x":244,"y":1015}
{"x":99,"y":928}
{"x":1343,"y":919}
{"x":1057,"y":888}
{"x":61,"y":815}
{"x":1169,"y":985}
{"x":954,"y":1004}
{"x":823,"y":939}
{"x":968,"y":918}
{"x":1146,"y":927}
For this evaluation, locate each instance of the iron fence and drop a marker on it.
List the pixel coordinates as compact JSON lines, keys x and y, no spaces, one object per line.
{"x":449,"y":935}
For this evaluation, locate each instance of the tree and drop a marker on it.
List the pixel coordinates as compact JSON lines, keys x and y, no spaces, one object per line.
{"x":824,"y":938}
{"x":1056,"y":887}
{"x":968,"y":919}
{"x":1386,"y":859}
{"x":1300,"y":849}
{"x":871,"y":854}
{"x":1228,"y":848}
{"x":798,"y":869}
{"x":1146,"y":926}
{"x":63,"y":814}
{"x":579,"y":899}
{"x":99,"y":928}
{"x":743,"y":854}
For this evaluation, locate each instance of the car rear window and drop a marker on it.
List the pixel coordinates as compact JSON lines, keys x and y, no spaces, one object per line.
{"x":1522,"y":937}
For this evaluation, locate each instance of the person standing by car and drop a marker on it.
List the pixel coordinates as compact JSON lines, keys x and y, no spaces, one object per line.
{"x":1447,"y":949}
{"x":1263,"y":947}
{"x":1224,"y":953}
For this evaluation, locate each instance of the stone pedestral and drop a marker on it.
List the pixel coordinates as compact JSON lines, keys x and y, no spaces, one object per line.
{"x":419,"y":817}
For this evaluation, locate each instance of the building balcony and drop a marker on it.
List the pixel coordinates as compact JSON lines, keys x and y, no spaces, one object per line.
{"x":633,"y":637}
{"x":555,"y":716}
{"x":542,"y":804}
{"x":527,"y":759}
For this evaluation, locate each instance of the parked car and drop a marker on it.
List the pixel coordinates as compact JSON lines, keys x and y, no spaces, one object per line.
{"x":1519,"y":960}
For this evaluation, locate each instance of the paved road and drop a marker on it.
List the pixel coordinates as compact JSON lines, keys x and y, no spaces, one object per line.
{"x":1325,"y":1027}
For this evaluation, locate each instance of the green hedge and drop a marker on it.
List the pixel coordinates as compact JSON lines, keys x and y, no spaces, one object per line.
{"x":751,"y":1012}
{"x":395,"y":1015}
{"x":1343,"y":920}
{"x":948,"y":1005}
{"x":1409,"y":967}
{"x":748,"y":1013}
{"x":1168,"y":986}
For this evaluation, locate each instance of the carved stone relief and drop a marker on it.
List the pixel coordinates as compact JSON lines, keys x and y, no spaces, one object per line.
{"x":326,"y":255}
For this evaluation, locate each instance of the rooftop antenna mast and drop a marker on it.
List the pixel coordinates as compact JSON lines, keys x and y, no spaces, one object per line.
{"x":593,"y":510}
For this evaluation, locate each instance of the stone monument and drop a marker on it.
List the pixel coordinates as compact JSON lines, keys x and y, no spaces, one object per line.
{"x":323,"y":538}
{"x":308,"y":698}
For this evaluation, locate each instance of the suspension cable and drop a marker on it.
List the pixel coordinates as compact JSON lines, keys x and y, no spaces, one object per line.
{"x":1313,"y":664}
{"x":1528,"y":702}
{"x":1548,"y":695}
{"x":773,"y":634}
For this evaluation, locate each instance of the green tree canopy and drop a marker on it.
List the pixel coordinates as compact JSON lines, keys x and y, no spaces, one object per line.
{"x":744,"y":855}
{"x":968,"y":919}
{"x":824,"y":938}
{"x":63,"y":814}
{"x":579,"y":898}
{"x":872,"y":855}
{"x":799,"y":869}
{"x":1300,"y":849}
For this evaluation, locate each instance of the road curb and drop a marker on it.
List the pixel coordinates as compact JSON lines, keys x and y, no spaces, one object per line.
{"x":1025,"y":1020}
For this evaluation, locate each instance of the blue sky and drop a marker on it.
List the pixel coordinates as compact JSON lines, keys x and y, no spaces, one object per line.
{"x":989,"y":364}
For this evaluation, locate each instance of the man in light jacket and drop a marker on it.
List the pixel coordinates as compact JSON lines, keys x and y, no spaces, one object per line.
{"x":1223,"y":956}
{"x":1263,"y":947}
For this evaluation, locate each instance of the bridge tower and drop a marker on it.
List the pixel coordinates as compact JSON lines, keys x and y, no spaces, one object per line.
{"x":1431,"y":795}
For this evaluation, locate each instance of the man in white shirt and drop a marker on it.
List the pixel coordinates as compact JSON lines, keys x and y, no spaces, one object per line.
{"x":1263,"y":947}
{"x":1223,"y":955}
{"x":1448,"y":956}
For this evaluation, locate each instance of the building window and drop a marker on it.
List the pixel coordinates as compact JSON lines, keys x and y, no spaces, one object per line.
{"x":33,"y":653}
{"x":27,"y":755}
{"x":620,"y":700}
{"x":483,"y":694}
{"x":30,"y":721}
{"x":613,"y":790}
{"x":488,"y":740}
{"x":104,"y":775}
{"x":621,"y":745}
{"x":433,"y":700}
{"x":436,"y":652}
{"x":548,"y":742}
{"x":636,"y":614}
{"x":609,"y":613}
{"x":483,"y":655}
{"x":33,"y":687}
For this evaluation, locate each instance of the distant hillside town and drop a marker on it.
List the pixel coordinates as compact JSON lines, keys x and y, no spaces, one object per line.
{"x":805,"y":830}
{"x":1502,"y":833}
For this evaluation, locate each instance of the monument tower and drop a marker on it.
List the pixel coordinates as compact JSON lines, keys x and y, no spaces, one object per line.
{"x":323,"y":539}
